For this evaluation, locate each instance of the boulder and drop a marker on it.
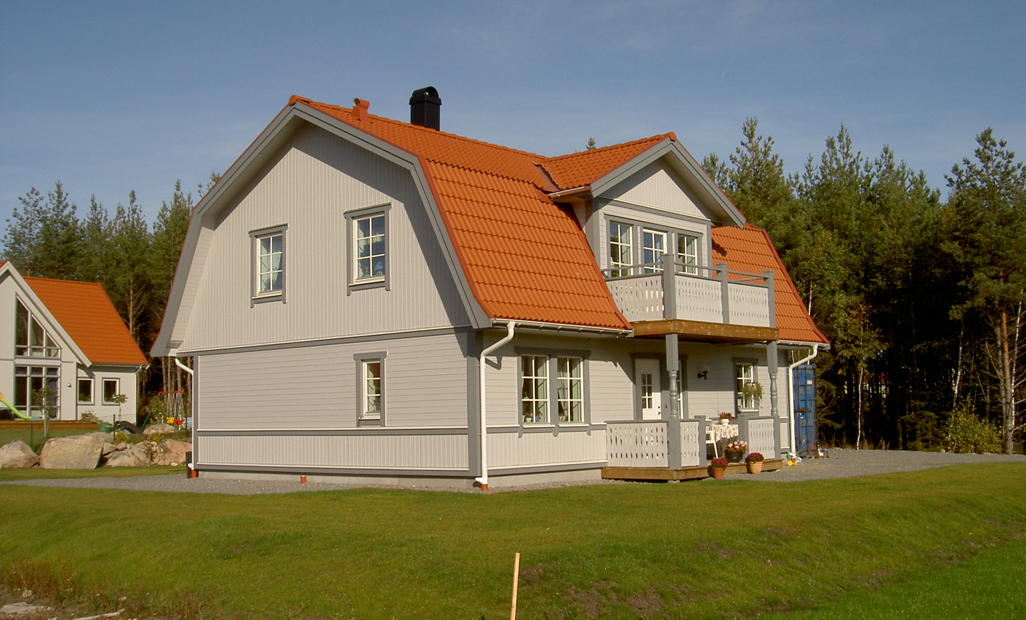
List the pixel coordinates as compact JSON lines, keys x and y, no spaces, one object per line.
{"x":75,"y":452}
{"x":108,"y":448}
{"x":17,"y":454}
{"x":163,"y":429}
{"x":135,"y":455}
{"x":170,"y":452}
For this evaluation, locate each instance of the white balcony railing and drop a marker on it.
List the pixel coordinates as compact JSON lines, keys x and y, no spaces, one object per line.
{"x":728,"y":297}
{"x":645,"y":444}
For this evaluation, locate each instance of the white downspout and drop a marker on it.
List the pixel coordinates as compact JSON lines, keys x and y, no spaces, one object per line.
{"x":173,"y":354}
{"x":790,"y":393}
{"x":482,"y":362}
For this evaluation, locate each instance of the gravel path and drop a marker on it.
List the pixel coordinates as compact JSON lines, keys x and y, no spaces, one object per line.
{"x":840,"y":464}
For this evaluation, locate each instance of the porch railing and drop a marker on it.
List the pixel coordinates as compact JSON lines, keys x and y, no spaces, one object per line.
{"x":723,"y":296}
{"x":646,"y":443}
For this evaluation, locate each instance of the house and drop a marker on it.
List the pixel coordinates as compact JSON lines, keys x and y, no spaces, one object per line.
{"x":65,"y":336}
{"x":373,"y":300}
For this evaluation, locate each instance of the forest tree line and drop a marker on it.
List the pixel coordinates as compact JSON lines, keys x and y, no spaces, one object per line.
{"x":47,"y":237}
{"x":921,"y":297}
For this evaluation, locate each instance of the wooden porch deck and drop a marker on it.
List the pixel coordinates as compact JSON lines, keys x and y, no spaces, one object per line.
{"x":666,"y":474}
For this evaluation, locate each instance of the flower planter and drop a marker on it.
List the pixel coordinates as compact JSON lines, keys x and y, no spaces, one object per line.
{"x":755,"y":468}
{"x":735,"y":457}
{"x":717,"y":472}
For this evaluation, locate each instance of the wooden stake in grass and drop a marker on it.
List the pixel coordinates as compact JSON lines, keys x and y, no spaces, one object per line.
{"x":516,"y":579}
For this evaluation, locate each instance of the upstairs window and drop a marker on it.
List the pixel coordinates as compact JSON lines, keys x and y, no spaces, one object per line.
{"x":687,"y":254}
{"x":620,"y":251}
{"x":30,"y":339}
{"x":269,"y":264}
{"x":367,"y":260}
{"x":653,"y":246}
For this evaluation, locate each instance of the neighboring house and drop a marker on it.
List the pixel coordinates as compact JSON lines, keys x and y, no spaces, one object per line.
{"x":340,"y":285}
{"x":66,"y":336}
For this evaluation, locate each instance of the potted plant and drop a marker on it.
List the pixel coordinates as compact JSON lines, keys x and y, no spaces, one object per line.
{"x":718,"y":467}
{"x":725,"y":417}
{"x":754,"y":462}
{"x":752,"y":391}
{"x":735,"y":450}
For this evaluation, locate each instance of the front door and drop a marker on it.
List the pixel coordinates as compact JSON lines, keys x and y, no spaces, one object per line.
{"x":646,"y":380}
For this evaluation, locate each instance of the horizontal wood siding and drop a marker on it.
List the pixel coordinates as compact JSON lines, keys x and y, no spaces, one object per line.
{"x":317,"y":178}
{"x":544,"y":449}
{"x":314,"y":387}
{"x":428,"y":452}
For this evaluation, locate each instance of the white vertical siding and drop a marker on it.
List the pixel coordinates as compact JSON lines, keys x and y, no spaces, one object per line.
{"x":317,"y":178}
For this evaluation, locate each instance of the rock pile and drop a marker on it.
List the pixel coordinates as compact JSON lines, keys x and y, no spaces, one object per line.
{"x":94,"y":450}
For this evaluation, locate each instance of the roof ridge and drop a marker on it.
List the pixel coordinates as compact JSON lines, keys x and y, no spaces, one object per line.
{"x":427,"y":130}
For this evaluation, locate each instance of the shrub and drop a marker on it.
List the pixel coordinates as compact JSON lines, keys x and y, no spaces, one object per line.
{"x":754,"y":457}
{"x":966,"y":432}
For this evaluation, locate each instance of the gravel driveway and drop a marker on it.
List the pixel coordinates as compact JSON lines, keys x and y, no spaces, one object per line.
{"x":840,"y":464}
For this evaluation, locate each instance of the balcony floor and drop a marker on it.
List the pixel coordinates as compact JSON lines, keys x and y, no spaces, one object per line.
{"x":699,"y":331}
{"x":665,"y":474}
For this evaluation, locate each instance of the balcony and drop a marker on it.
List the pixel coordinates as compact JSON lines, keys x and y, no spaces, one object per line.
{"x":710,"y":305}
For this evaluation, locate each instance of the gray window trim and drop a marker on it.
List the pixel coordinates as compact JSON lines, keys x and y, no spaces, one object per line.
{"x":754,"y":363}
{"x":350,"y":248}
{"x":254,"y":236}
{"x":361,"y":358}
{"x":552,"y":369}
{"x":672,"y":232}
{"x":92,"y":391}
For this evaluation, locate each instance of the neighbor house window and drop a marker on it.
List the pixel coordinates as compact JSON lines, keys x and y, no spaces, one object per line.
{"x":269,"y":263}
{"x":30,"y":339}
{"x":85,"y":391}
{"x":552,"y":383}
{"x":370,"y":384}
{"x":620,"y":254}
{"x":36,"y":387}
{"x":653,"y":246}
{"x":687,"y":254}
{"x":747,"y":399}
{"x":368,"y":247}
{"x":111,"y":388}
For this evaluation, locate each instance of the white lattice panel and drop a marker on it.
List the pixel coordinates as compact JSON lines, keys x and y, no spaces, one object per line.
{"x":761,"y":438}
{"x":699,"y":299}
{"x":636,"y":444}
{"x":690,"y":444}
{"x":640,"y":298}
{"x":749,"y":305}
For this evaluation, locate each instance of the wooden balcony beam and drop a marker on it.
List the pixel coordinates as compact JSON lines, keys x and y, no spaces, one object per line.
{"x":700,"y":331}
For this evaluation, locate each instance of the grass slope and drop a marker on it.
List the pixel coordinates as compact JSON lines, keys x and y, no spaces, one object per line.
{"x":36,"y":473}
{"x":713,"y":549}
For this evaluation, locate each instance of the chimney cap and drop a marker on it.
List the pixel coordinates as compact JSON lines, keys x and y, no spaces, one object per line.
{"x":428,"y":94}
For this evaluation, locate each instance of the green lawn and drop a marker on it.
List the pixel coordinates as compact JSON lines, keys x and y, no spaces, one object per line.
{"x":710,"y":549}
{"x":103,"y":472}
{"x":989,"y":586}
{"x":34,"y":438}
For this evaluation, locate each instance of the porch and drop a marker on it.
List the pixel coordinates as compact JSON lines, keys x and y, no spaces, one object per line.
{"x":677,"y":449}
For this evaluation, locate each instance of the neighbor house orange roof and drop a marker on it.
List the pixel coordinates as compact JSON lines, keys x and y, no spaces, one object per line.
{"x":90,"y":319}
{"x":751,"y":251}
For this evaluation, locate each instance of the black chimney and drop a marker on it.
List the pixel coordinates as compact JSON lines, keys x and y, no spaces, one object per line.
{"x":424,"y":107}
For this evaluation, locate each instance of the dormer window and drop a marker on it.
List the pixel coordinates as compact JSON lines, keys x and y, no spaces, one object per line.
{"x":653,"y":246}
{"x":687,"y":254}
{"x":620,"y":250}
{"x":31,"y":340}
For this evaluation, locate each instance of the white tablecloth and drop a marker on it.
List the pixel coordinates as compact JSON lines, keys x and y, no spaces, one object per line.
{"x":722,"y":431}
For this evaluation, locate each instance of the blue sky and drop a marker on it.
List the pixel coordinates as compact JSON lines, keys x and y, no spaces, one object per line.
{"x":112,"y":96}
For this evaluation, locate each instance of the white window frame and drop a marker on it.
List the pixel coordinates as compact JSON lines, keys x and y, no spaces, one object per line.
{"x":546,"y":386}
{"x":566,"y":380}
{"x":24,"y":374}
{"x":365,"y":414}
{"x":103,"y":387}
{"x":256,"y":239}
{"x":745,"y":373}
{"x":92,"y":391}
{"x":536,"y":400}
{"x":48,"y":347}
{"x":353,"y":219}
{"x":647,"y":235}
{"x":619,"y":251}
{"x":688,"y":258}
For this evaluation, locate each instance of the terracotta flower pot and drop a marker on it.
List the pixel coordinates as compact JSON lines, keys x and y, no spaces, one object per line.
{"x":717,"y":472}
{"x":755,"y":468}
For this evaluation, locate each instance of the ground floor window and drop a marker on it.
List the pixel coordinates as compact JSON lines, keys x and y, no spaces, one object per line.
{"x":85,"y":391}
{"x":370,"y":388}
{"x":111,"y":389}
{"x":549,"y":384}
{"x":746,"y":388}
{"x":37,"y":388}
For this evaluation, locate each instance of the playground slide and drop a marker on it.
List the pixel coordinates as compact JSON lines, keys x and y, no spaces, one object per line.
{"x":13,"y":409}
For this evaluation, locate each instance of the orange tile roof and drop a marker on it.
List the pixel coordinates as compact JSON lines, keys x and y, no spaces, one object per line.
{"x":580,"y":169}
{"x":751,"y":251}
{"x":87,"y":315}
{"x":525,"y":257}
